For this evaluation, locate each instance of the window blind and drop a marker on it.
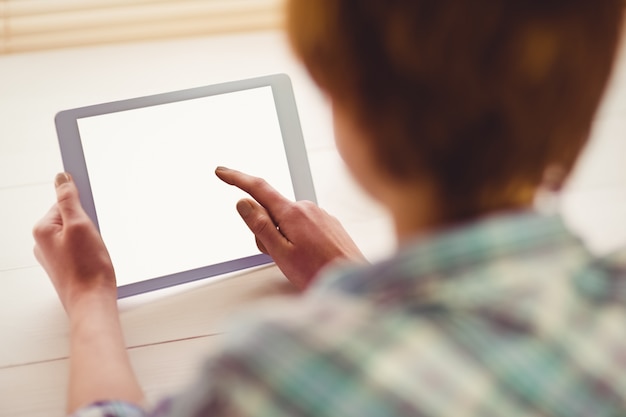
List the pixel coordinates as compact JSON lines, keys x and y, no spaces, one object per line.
{"x":27,"y":25}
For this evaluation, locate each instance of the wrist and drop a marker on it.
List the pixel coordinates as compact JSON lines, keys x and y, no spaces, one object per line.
{"x":93,"y":316}
{"x":86,"y":301}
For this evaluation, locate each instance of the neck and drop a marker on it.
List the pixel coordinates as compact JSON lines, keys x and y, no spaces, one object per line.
{"x":415,"y":210}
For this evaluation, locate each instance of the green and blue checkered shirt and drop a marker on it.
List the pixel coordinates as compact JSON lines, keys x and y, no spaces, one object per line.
{"x":509,"y":316}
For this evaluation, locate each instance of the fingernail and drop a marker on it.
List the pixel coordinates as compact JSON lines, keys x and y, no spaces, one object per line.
{"x":61,"y":179}
{"x":221,"y":169}
{"x":244,"y":208}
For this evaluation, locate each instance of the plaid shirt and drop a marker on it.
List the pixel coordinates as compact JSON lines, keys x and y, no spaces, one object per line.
{"x":509,"y":316}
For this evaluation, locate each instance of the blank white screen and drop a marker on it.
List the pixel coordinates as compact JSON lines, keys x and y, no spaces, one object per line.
{"x":160,"y":207}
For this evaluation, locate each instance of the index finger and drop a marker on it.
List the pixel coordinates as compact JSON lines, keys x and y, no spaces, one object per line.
{"x":273,"y":201}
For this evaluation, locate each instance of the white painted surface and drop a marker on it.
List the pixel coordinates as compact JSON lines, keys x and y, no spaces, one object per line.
{"x":159,"y":327}
{"x":169,"y":332}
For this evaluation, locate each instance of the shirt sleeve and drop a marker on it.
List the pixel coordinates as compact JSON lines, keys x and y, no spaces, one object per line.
{"x":111,"y":409}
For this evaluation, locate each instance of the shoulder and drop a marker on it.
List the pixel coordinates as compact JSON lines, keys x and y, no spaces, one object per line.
{"x":617,"y":260}
{"x":603,"y":280}
{"x":312,"y":319}
{"x":332,"y":355}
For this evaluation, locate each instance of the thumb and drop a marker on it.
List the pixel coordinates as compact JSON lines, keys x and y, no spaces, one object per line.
{"x":67,"y":197}
{"x":258,"y":220}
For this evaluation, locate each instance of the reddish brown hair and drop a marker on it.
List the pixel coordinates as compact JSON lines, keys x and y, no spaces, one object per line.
{"x":480,"y":96}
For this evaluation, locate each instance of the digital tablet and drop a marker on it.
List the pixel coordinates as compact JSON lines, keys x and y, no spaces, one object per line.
{"x":144,"y":168}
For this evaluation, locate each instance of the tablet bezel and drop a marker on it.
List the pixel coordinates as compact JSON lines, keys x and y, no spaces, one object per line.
{"x":74,"y":162}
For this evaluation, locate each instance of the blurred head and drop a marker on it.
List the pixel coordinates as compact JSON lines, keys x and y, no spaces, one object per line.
{"x":478,"y":97}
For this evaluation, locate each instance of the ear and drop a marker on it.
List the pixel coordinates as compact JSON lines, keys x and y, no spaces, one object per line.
{"x":554,"y":178}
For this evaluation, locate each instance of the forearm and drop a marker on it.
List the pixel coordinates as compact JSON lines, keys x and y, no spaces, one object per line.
{"x":99,"y":365}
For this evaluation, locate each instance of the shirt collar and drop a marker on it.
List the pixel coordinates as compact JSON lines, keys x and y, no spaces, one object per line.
{"x":442,"y":256}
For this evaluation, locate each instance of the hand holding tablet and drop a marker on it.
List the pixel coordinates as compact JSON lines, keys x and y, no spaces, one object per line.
{"x":144,"y":170}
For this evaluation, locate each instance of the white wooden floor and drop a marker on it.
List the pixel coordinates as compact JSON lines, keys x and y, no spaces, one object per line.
{"x":168,"y":333}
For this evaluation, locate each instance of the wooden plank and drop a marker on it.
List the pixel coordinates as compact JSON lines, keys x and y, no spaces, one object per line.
{"x":35,"y":86}
{"x":42,"y":7}
{"x":3,"y":27}
{"x":134,"y":31}
{"x":40,"y":389}
{"x":34,"y":25}
{"x":20,"y":209}
{"x":34,"y":327}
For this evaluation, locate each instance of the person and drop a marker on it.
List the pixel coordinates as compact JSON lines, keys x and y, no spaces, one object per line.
{"x":454,"y":115}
